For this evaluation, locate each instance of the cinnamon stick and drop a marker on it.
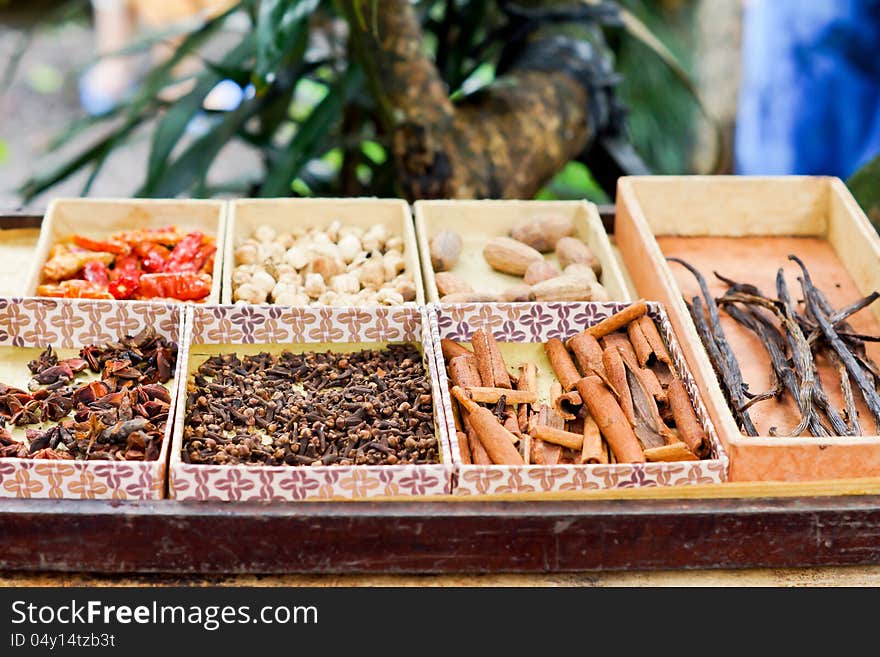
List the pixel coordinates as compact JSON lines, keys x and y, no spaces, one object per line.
{"x":451,"y":349}
{"x":463,"y":371}
{"x":619,"y":320}
{"x":652,"y":384}
{"x":497,"y":441}
{"x":549,"y":452}
{"x":593,"y":450}
{"x":676,"y":451}
{"x":485,"y":395}
{"x":478,"y":453}
{"x":528,"y":380}
{"x":561,"y":363}
{"x":689,"y":429}
{"x":525,"y":448}
{"x":587,"y":353}
{"x":464,"y":447}
{"x":560,"y":437}
{"x":490,"y":363}
{"x":616,"y":371}
{"x":610,"y":419}
{"x":652,"y":335}
{"x":621,"y":343}
{"x":510,"y":422}
{"x":568,"y":405}
{"x":536,"y":451}
{"x":640,"y":343}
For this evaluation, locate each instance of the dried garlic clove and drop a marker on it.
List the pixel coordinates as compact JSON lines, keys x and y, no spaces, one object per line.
{"x":393,"y":263}
{"x":372,"y":274}
{"x":349,"y":247}
{"x":314,"y":285}
{"x":247,"y":254}
{"x":265,"y":233}
{"x":345,"y":284}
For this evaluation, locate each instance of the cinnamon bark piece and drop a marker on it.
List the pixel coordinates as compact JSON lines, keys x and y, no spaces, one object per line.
{"x":610,"y":419}
{"x":490,"y":363}
{"x":689,"y":429}
{"x":497,"y":441}
{"x":648,"y":425}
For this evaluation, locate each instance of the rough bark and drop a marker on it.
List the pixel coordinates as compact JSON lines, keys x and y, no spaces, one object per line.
{"x":504,"y":141}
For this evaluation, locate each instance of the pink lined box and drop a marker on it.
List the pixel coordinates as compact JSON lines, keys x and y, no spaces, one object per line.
{"x":537,"y":323}
{"x":278,"y":326}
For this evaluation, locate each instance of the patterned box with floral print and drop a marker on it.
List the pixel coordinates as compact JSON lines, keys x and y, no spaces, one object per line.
{"x":282,"y":336}
{"x":27,"y":327}
{"x":521,"y":330}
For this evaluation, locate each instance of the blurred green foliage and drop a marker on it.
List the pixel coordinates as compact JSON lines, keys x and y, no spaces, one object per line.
{"x":308,"y":113}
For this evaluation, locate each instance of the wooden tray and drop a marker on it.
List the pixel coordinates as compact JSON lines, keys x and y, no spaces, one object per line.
{"x":744,"y":228}
{"x":730,"y":525}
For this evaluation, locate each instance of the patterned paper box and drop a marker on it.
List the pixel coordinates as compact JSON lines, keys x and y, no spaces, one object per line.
{"x":533,"y":323}
{"x":70,"y":323}
{"x":284,"y":325}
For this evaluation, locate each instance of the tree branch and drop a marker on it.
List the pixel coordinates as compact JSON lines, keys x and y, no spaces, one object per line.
{"x":504,"y":141}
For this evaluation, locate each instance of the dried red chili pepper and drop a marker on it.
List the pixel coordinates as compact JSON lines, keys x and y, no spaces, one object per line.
{"x":204,"y":258}
{"x":184,"y":253}
{"x":153,"y":256}
{"x":74,"y":288}
{"x":108,"y":246}
{"x":96,"y":272}
{"x":185,"y":286}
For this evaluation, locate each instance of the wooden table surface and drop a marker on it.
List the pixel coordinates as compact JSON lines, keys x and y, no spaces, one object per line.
{"x":634,"y":542}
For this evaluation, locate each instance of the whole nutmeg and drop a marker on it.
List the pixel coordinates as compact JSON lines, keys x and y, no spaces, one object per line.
{"x":542,"y":232}
{"x":516,"y":293}
{"x":540,"y":271}
{"x":571,"y":250}
{"x":509,"y":256}
{"x":449,"y":283}
{"x":445,"y":249}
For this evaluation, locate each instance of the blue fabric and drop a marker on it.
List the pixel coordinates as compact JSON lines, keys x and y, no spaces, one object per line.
{"x":810,"y":93}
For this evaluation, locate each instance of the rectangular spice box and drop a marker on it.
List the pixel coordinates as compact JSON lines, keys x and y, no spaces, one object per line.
{"x":98,"y":218}
{"x":285,"y":214}
{"x":27,"y":327}
{"x":745,"y":228}
{"x":478,"y":221}
{"x":520,"y":331}
{"x":250,"y":330}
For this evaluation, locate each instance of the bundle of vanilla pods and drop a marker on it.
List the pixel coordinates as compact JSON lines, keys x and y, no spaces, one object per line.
{"x":795,"y":337}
